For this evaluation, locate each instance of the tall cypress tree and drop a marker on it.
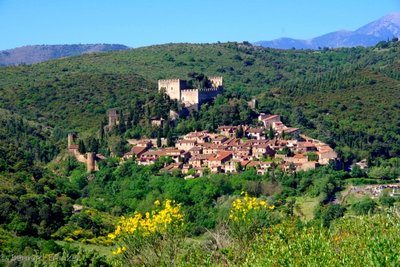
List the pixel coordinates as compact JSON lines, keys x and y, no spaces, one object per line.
{"x":159,"y":139}
{"x":170,"y":141}
{"x":271,"y":133}
{"x":81,"y":147}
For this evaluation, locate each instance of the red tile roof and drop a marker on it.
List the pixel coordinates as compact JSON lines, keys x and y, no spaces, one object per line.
{"x":221,"y":155}
{"x":137,"y":150}
{"x":183,"y":141}
{"x":255,"y":130}
{"x":290,"y":130}
{"x":305,"y":144}
{"x":254,"y":164}
{"x":270,"y":117}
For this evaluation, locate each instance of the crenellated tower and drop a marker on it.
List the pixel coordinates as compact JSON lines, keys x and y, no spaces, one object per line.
{"x":192,"y":97}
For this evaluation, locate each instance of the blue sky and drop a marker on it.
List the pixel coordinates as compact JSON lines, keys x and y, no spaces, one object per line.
{"x":144,"y":22}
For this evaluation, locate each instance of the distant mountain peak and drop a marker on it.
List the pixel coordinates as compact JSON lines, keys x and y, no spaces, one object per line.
{"x":370,"y":34}
{"x":392,"y":17}
{"x":385,"y":26}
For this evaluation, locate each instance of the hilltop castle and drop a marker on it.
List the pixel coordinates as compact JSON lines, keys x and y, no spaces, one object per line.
{"x":192,"y":97}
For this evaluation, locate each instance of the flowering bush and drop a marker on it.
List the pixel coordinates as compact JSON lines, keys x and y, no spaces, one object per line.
{"x":248,"y":216}
{"x":151,"y":238}
{"x":245,"y":207}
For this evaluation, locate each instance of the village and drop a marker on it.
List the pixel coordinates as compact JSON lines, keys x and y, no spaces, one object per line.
{"x":235,"y":148}
{"x":268,"y":145}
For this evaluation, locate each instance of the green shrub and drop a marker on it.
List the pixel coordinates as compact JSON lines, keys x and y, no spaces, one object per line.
{"x":365,"y":206}
{"x":329,"y":213}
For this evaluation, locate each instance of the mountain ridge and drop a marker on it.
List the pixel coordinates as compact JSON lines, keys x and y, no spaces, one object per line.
{"x":32,"y":54}
{"x":370,"y":34}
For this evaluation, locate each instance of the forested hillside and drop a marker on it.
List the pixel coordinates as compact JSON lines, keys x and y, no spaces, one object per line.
{"x":348,"y":97}
{"x":23,"y":142}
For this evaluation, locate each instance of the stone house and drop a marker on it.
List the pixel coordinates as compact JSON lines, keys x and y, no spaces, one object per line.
{"x":185,"y":144}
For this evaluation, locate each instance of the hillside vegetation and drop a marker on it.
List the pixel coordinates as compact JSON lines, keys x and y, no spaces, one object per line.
{"x":23,"y":142}
{"x":347,"y":97}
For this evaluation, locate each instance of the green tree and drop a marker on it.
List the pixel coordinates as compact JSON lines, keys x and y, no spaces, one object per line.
{"x":93,"y":145}
{"x":330,"y":212}
{"x":283,"y":134}
{"x":101,"y":131}
{"x":170,"y":140}
{"x":81,"y":147}
{"x":158,"y":139}
{"x":386,"y":200}
{"x":120,"y":148}
{"x":311,"y":156}
{"x":271,"y":133}
{"x":356,"y":171}
{"x":239,"y":132}
{"x":238,"y":167}
{"x":364,"y":206}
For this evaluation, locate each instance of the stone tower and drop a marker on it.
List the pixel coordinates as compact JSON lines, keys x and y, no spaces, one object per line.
{"x":172,"y":87}
{"x":70,"y":139}
{"x":216,"y":81}
{"x":90,"y":162}
{"x":112,"y":118}
{"x":191,"y":97}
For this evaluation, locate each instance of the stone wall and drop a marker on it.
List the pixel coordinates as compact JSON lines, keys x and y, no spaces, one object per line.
{"x":190,"y":96}
{"x":206,"y":94}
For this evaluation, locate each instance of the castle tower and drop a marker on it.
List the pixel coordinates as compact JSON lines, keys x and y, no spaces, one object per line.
{"x":70,"y":139}
{"x":112,"y":118}
{"x":172,"y":87}
{"x":217,"y":81}
{"x":191,"y":97}
{"x":90,"y":162}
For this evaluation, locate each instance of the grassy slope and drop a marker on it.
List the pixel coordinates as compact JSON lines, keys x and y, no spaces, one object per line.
{"x":306,"y":207}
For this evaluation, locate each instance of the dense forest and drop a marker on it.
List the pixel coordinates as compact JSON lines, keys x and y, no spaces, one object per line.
{"x":50,"y":206}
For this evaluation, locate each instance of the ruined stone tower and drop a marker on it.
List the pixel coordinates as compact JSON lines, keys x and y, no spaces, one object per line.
{"x":70,"y":139}
{"x":112,"y":118}
{"x":90,"y":162}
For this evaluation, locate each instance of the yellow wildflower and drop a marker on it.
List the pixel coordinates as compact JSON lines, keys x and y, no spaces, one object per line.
{"x":119,"y":250}
{"x":147,"y":224}
{"x":241,"y":207}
